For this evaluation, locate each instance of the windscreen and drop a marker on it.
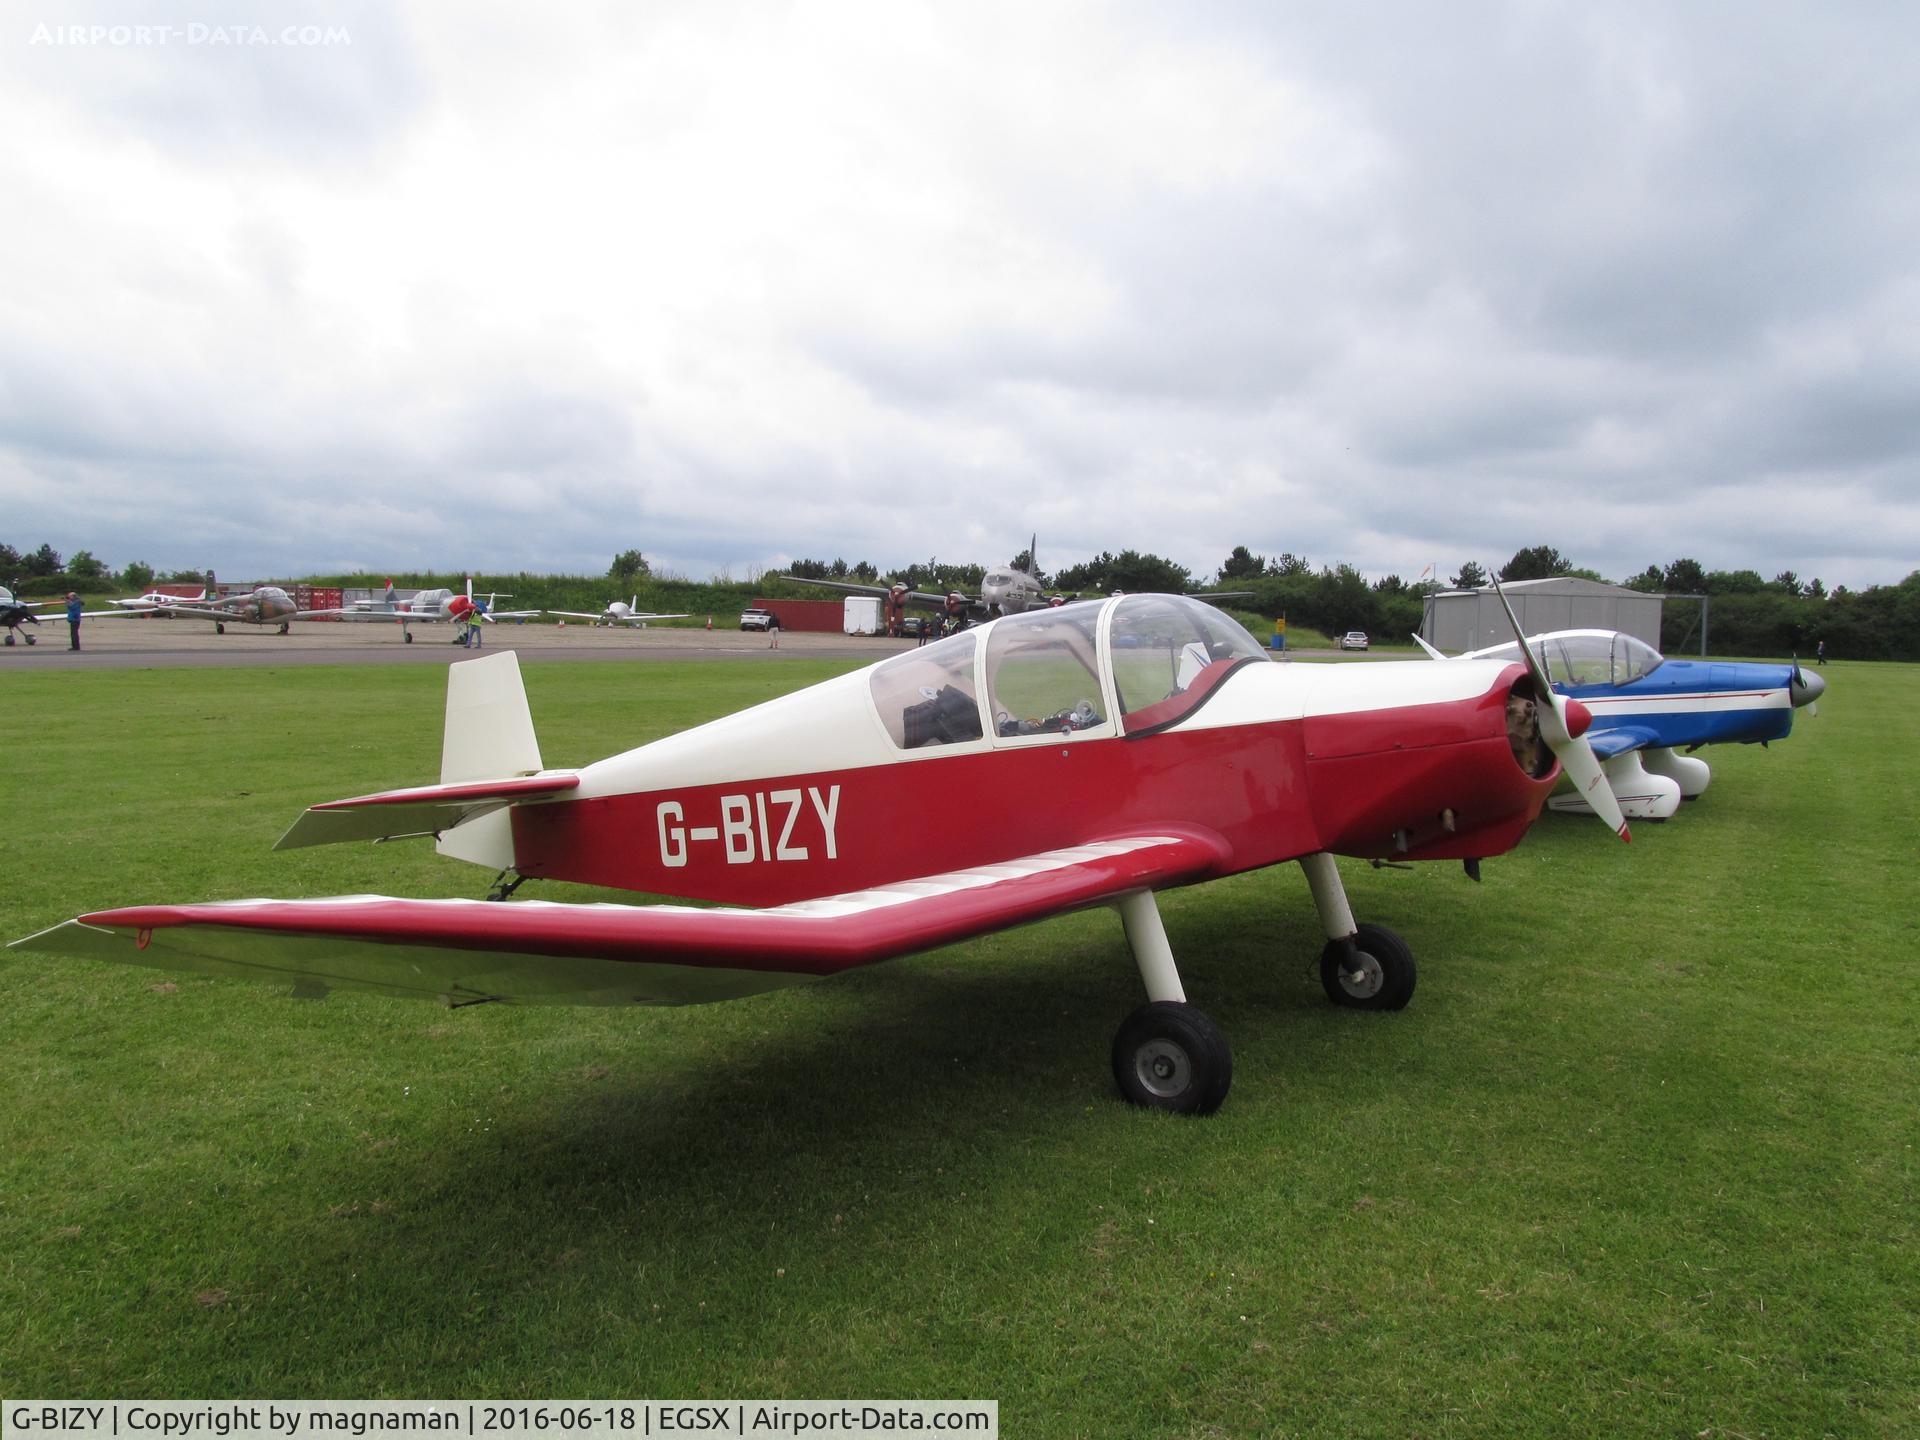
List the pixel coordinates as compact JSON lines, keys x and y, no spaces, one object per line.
{"x":1168,"y":649}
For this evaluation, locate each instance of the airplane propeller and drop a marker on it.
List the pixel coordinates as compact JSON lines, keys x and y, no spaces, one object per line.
{"x":1805,"y":689}
{"x":1563,"y":725}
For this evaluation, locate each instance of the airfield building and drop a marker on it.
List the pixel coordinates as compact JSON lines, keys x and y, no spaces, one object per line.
{"x":1459,"y":620}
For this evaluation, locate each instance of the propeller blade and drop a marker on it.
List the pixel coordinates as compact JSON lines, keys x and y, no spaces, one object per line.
{"x":1805,"y":689}
{"x":1571,"y":749}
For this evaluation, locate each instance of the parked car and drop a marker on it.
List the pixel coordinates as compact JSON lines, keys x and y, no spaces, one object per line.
{"x":1354,"y":640}
{"x":755,"y":618}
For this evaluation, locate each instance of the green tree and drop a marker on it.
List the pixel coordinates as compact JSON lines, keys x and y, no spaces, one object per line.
{"x":1685,"y":577}
{"x":1536,"y":562}
{"x":1649,"y":581}
{"x":1471,"y":577}
{"x":810,"y":569}
{"x":1735,"y":582}
{"x":137,"y":576}
{"x":10,"y":562}
{"x":629,"y":565}
{"x":1242,"y":564}
{"x":1130,"y":570}
{"x":84,"y":566}
{"x":44,"y":561}
{"x":1024,"y":561}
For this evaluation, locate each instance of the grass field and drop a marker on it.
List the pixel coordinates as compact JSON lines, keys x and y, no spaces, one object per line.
{"x":1638,"y":1160}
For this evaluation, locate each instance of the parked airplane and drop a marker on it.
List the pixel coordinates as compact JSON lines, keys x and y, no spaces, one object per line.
{"x":262,"y":605}
{"x":1004,"y":590}
{"x":1645,"y":707}
{"x":15,"y":614}
{"x":1168,"y":749}
{"x":619,"y":612}
{"x":156,"y":598}
{"x":438,"y":606}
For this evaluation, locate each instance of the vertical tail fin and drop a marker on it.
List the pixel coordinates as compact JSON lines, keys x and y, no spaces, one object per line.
{"x":489,"y":736}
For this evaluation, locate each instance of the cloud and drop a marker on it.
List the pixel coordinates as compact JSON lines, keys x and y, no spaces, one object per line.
{"x":738,"y":282}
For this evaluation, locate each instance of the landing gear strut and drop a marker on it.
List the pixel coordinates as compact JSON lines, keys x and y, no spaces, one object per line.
{"x":1167,"y":1055}
{"x":1364,"y":967}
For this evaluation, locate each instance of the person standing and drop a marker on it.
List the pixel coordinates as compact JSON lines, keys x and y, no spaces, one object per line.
{"x":1820,"y":652}
{"x":74,"y":610}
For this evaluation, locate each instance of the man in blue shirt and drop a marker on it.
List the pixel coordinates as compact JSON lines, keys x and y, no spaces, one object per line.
{"x":74,"y":607}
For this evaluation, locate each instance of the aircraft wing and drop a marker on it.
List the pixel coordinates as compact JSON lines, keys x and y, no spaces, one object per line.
{"x":637,"y":619}
{"x":512,"y":614}
{"x":580,"y":614}
{"x":542,"y":952}
{"x":196,"y":612}
{"x":1619,"y":739}
{"x":878,"y":592}
{"x":845,"y":587}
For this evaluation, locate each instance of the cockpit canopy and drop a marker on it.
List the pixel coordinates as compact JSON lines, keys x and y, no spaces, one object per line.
{"x":1129,"y":666}
{"x":1581,"y":658}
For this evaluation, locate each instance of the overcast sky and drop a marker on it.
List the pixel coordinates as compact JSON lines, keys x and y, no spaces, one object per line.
{"x":470,"y":286}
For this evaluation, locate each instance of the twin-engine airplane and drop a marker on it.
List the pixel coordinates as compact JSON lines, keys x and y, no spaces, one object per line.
{"x":263,"y":605}
{"x":619,"y":612}
{"x":1162,"y":746}
{"x":1646,"y":707}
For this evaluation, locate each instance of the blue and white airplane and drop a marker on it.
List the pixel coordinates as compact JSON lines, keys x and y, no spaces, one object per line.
{"x":1646,"y":707}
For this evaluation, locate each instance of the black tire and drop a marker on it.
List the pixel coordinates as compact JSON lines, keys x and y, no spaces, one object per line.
{"x":218,"y":628}
{"x":31,"y":640}
{"x":1170,"y":1056}
{"x":1384,"y":979}
{"x":9,"y":637}
{"x":407,"y":635}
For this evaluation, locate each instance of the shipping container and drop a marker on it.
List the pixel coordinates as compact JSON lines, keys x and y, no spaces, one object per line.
{"x":824,"y":617}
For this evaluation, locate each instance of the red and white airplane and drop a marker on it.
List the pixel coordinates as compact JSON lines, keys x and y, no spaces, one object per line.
{"x":1090,"y":754}
{"x":434,"y":607}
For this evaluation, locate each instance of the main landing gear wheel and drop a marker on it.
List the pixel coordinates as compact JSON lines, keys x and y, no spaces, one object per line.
{"x":9,"y":637}
{"x":407,"y":635}
{"x":286,"y":629}
{"x":31,"y":640}
{"x":218,"y":628}
{"x":1379,"y":976}
{"x":1170,"y":1056}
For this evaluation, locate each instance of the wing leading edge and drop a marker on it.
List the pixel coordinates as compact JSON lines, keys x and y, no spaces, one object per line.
{"x":541,"y":952}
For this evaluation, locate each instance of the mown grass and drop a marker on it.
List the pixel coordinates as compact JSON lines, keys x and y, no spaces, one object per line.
{"x":1638,"y":1160}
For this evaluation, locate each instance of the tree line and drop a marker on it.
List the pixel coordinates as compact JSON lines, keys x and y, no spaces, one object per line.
{"x":1748,"y":613}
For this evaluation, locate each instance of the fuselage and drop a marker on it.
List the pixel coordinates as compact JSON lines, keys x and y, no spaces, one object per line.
{"x":1059,"y":727}
{"x":1675,"y":703}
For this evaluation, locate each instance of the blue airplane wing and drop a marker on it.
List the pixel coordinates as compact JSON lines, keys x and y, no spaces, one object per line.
{"x":1618,"y":739}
